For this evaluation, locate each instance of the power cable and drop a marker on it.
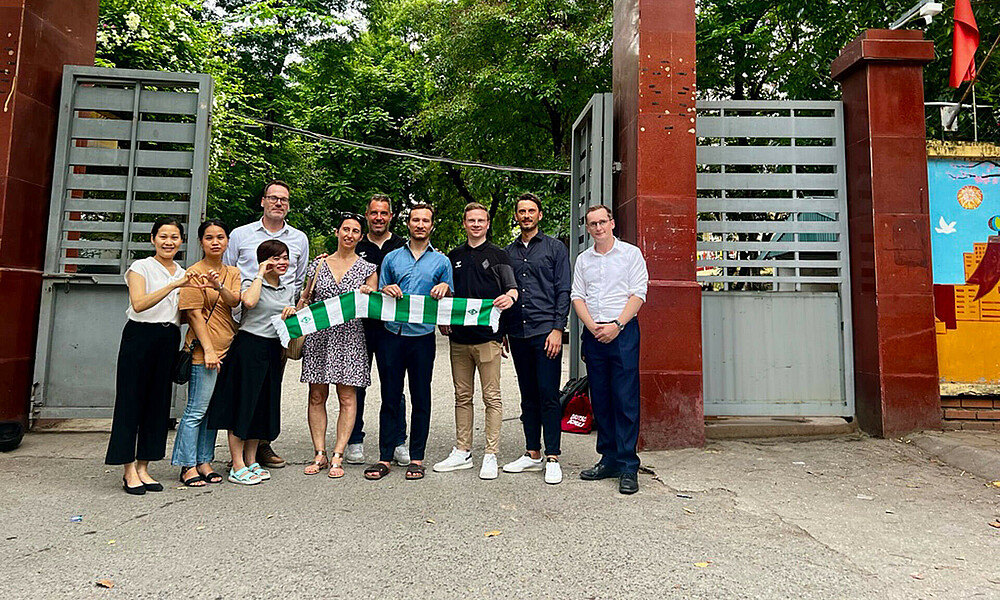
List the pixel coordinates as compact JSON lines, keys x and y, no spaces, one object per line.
{"x":404,"y":153}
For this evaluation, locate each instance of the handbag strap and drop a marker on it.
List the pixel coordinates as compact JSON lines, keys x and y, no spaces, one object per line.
{"x":195,"y":341}
{"x":312,"y":282}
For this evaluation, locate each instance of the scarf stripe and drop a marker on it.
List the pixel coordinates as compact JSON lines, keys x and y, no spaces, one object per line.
{"x":408,"y":309}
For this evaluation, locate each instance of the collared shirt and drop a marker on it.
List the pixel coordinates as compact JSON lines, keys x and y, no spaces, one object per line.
{"x":242,"y":251}
{"x":415,"y":276}
{"x":606,"y":281}
{"x":273,"y":300}
{"x":542,"y":272}
{"x":480,"y":272}
{"x":371,"y":252}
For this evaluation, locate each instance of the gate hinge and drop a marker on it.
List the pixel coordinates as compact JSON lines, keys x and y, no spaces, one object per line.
{"x":616,"y":167}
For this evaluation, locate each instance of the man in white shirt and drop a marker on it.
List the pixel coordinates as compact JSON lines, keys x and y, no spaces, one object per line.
{"x":609,"y":287}
{"x":242,"y":253}
{"x":243,"y":241}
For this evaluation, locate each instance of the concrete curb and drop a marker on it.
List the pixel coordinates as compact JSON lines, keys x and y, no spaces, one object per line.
{"x":978,"y":461}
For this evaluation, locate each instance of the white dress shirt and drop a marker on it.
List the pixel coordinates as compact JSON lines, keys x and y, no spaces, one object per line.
{"x":242,"y":251}
{"x":606,"y":281}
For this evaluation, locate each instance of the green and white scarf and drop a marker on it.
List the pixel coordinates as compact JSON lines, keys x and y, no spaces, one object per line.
{"x":408,"y":309}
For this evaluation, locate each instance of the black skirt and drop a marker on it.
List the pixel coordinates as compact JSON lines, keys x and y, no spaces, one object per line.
{"x":247,"y":396}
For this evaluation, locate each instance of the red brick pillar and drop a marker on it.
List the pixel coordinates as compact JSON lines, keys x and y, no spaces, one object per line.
{"x":37,"y":37}
{"x":895,"y":355}
{"x":655,"y":201}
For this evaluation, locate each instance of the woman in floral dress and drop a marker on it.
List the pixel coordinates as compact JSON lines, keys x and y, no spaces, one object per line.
{"x":337,"y":355}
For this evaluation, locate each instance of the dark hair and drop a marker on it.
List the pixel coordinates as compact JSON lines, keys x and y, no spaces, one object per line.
{"x":275,"y":182}
{"x":161,"y":221}
{"x":531,"y":197}
{"x":212,"y":223}
{"x":348,"y":216}
{"x":270,"y":248}
{"x":421,"y":206}
{"x":379,"y":198}
{"x":597,"y":207}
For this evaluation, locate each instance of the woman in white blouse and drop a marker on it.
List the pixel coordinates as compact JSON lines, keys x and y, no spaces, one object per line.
{"x":146,"y":358}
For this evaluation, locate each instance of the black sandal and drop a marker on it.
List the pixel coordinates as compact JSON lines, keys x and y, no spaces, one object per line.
{"x":191,"y":481}
{"x":376,"y":471}
{"x":213,"y":477}
{"x":414,"y":471}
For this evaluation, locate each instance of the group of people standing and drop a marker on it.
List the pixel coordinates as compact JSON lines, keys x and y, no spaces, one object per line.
{"x":262,"y":269}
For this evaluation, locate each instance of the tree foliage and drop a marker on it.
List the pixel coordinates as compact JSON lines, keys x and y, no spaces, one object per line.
{"x":497,"y":81}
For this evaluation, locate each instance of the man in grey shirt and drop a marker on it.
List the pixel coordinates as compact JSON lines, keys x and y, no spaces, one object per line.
{"x":242,"y":253}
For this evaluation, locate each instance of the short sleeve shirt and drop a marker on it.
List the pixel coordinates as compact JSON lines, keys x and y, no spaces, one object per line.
{"x":156,"y":276}
{"x":221,"y":326}
{"x":257,"y":320}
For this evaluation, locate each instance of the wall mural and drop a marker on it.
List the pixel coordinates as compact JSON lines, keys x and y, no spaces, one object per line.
{"x":965,"y":246}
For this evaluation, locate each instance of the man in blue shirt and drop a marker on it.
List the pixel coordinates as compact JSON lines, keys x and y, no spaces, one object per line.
{"x":407,"y":349}
{"x":534,"y":327}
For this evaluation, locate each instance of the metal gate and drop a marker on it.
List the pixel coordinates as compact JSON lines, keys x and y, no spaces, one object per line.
{"x":131,"y":146}
{"x":590,"y":185}
{"x":773,"y":259}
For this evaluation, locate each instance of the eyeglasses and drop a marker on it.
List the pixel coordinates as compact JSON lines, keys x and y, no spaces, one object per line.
{"x":276,"y":199}
{"x":601,"y":223}
{"x":345,"y":214}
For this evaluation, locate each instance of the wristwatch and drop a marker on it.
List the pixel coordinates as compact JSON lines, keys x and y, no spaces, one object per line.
{"x":619,"y":324}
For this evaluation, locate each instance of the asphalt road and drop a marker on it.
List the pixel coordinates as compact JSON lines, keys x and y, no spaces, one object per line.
{"x":850,"y":517}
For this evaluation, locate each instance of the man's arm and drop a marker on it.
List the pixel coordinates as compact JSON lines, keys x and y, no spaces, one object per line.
{"x":562,"y":284}
{"x":232,"y":254}
{"x":301,"y":266}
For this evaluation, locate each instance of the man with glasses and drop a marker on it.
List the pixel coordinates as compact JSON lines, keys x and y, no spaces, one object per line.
{"x":609,"y":288}
{"x":373,"y":247}
{"x":242,"y":253}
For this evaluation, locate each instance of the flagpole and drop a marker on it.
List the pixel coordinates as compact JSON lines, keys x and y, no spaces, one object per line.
{"x":975,"y":119}
{"x":972,"y":83}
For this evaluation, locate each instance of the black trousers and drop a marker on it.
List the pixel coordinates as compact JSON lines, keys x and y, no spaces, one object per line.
{"x":411,"y":357}
{"x":538,"y":379}
{"x":374,"y":331}
{"x":142,"y":392}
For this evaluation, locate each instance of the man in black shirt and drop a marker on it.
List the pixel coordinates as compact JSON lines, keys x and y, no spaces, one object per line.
{"x":373,"y":247}
{"x":534,"y":328}
{"x":481,"y":270}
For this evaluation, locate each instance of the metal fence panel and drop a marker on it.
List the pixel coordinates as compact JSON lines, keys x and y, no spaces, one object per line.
{"x":590,"y":185}
{"x":773,"y":259}
{"x":131,"y":146}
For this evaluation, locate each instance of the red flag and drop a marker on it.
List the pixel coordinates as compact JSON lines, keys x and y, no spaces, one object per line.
{"x":966,"y":40}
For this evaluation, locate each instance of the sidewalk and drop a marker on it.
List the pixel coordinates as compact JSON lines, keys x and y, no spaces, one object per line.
{"x":847,"y":517}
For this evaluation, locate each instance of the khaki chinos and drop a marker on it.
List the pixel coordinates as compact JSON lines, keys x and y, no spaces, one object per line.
{"x":465,"y":360}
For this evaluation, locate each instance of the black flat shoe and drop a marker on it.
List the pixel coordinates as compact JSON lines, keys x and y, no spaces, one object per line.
{"x":598,"y":471}
{"x":138,"y":490}
{"x":153,"y":487}
{"x":628,"y":483}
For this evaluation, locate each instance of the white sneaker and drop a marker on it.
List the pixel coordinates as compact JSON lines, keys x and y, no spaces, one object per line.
{"x":458,"y":459}
{"x":355,"y":454}
{"x":489,"y":468}
{"x":553,"y":472}
{"x":401,"y":455}
{"x":525,"y":463}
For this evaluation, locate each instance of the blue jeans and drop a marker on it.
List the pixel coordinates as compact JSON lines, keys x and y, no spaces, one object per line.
{"x":195,"y":442}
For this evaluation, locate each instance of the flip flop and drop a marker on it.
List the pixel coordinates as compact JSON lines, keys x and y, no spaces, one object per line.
{"x":414,"y":471}
{"x":376,"y":471}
